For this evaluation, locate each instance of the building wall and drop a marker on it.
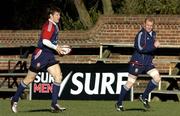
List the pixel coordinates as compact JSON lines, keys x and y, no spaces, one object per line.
{"x":116,"y":29}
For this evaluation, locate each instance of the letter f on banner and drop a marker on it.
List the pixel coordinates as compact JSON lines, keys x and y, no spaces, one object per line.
{"x":63,"y":83}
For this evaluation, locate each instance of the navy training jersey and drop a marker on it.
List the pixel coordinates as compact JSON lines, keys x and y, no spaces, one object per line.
{"x":144,"y":47}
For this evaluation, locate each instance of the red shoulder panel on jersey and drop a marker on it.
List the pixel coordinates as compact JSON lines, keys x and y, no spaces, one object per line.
{"x":47,"y":30}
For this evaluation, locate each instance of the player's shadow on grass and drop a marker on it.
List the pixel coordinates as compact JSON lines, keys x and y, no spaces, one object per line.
{"x":136,"y":109}
{"x":40,"y":110}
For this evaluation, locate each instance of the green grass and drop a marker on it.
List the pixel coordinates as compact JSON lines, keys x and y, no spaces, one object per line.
{"x":90,"y":108}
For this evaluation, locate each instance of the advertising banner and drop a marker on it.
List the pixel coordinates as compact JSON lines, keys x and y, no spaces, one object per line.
{"x":83,"y":82}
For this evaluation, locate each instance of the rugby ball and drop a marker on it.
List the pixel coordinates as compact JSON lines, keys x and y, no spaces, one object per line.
{"x":66,"y":49}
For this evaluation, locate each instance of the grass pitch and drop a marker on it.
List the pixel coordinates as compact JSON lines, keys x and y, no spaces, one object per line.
{"x":90,"y":108}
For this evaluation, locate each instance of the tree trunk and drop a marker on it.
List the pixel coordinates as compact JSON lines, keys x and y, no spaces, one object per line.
{"x":107,"y":7}
{"x":83,"y":13}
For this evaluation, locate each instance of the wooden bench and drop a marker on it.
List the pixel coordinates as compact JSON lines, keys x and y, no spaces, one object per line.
{"x":26,"y":92}
{"x":109,"y":60}
{"x":159,"y":90}
{"x":172,"y":63}
{"x":126,"y":45}
{"x":21,"y":63}
{"x":106,"y":60}
{"x":10,"y":88}
{"x":14,"y":76}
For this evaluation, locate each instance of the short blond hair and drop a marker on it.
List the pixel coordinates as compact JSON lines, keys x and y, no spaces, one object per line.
{"x":149,"y":19}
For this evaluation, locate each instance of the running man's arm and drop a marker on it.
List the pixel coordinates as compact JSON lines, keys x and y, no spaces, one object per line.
{"x":48,"y":43}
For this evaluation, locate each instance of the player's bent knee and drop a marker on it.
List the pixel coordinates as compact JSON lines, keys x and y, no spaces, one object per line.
{"x":154,"y":74}
{"x":27,"y":82}
{"x":131,"y":80}
{"x":157,"y":78}
{"x":57,"y":79}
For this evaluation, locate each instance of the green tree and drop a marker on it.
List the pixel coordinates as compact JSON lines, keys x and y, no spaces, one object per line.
{"x":107,"y":7}
{"x":83,"y":13}
{"x":132,"y":6}
{"x":151,"y":7}
{"x":162,"y":6}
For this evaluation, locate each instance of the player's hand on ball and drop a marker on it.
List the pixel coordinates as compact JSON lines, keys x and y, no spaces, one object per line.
{"x":65,"y":49}
{"x":58,"y":50}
